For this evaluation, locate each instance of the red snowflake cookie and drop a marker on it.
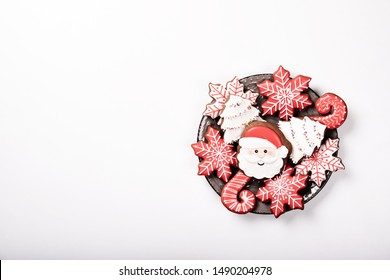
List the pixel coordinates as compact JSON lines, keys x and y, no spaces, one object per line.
{"x":282,"y":190}
{"x":284,"y":94}
{"x":220,"y":95}
{"x":216,"y":154}
{"x":320,"y":161}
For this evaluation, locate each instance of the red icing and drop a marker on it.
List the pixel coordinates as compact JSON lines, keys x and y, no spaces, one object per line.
{"x":220,"y":94}
{"x":217,"y":155}
{"x":321,"y":161}
{"x":264,"y":133}
{"x":327,"y":103}
{"x":284,"y":94}
{"x":283,"y":190}
{"x":233,"y":189}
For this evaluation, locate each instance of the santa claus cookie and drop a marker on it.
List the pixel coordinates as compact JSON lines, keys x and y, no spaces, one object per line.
{"x":262,"y":150}
{"x":268,"y":143}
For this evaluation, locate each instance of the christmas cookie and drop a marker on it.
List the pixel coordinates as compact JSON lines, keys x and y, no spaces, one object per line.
{"x":262,"y":150}
{"x":237,"y":113}
{"x":321,"y":161}
{"x":221,"y":94}
{"x":235,"y":198}
{"x":327,"y":103}
{"x":268,"y":143}
{"x":283,"y":190}
{"x":284,"y":94}
{"x":304,"y":135}
{"x":216,"y":154}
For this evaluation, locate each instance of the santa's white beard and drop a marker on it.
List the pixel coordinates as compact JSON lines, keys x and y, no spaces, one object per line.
{"x":253,"y":166}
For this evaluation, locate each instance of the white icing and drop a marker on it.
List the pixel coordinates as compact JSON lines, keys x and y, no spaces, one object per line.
{"x":240,"y":120}
{"x":234,"y":106}
{"x":304,"y":135}
{"x":261,"y":165}
{"x":238,"y":112}
{"x":233,"y":134}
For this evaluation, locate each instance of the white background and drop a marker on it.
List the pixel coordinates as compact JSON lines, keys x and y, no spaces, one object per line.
{"x":110,"y":269}
{"x":100,"y":101}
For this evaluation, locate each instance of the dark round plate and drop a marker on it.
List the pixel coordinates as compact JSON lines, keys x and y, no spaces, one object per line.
{"x":249,"y":83}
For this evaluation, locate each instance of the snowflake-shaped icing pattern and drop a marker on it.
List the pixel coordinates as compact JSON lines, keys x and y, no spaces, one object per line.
{"x":320,"y":161}
{"x":282,"y":190}
{"x":220,"y":94}
{"x":284,"y":94}
{"x":216,"y":155}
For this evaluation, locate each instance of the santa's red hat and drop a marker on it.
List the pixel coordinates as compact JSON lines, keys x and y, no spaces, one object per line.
{"x":258,"y":136}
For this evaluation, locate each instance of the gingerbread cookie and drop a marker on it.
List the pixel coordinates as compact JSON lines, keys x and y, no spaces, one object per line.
{"x":220,"y":94}
{"x":237,"y":113}
{"x":284,"y":94}
{"x":262,"y":150}
{"x":216,"y":154}
{"x":283,"y":190}
{"x":321,"y":161}
{"x":235,"y":198}
{"x":304,"y":135}
{"x":327,"y":103}
{"x":268,"y":143}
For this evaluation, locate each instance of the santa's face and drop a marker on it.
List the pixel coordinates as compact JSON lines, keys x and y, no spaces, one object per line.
{"x":261,"y":162}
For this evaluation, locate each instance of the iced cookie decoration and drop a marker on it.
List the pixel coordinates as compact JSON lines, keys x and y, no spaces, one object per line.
{"x":238,"y":112}
{"x":220,"y":94}
{"x":304,"y":135}
{"x":321,"y":161}
{"x":262,"y":151}
{"x":283,"y":190}
{"x":327,"y":103}
{"x":235,"y":197}
{"x":267,"y":143}
{"x":217,"y":155}
{"x":284,"y":94}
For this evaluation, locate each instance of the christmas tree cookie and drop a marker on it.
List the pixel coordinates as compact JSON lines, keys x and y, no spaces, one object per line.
{"x":238,"y":113}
